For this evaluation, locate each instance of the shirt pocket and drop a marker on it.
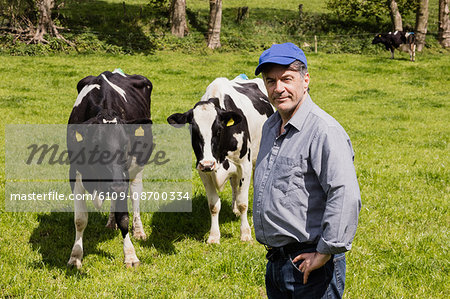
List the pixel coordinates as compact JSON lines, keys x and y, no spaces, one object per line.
{"x":289,"y":175}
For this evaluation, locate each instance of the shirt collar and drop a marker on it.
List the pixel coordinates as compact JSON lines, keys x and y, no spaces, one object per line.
{"x":274,"y":122}
{"x":297,"y":120}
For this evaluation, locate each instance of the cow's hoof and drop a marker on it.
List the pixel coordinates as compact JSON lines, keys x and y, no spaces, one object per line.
{"x":111,"y":224}
{"x":132,"y":263}
{"x":246,"y":234}
{"x":246,"y":238}
{"x":139,"y":235}
{"x":213,"y":240}
{"x":74,"y":262}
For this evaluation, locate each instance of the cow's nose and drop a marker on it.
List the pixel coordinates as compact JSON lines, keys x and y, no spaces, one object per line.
{"x":206,"y":165}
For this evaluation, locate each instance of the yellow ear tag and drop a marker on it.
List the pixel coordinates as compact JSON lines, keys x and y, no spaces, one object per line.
{"x":78,"y":136}
{"x":139,"y":132}
{"x":379,"y":35}
{"x":230,"y":122}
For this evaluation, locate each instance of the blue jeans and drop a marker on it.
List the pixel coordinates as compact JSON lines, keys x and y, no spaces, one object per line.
{"x":285,"y":280}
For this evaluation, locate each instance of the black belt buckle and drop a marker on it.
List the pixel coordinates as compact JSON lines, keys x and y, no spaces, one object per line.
{"x":274,"y":253}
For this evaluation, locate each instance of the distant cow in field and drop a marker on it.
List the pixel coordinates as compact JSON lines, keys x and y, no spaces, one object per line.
{"x":110,"y":118}
{"x":393,"y":40}
{"x":225,"y":133}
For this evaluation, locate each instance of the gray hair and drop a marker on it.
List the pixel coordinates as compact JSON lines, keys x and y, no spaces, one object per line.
{"x":296,"y":66}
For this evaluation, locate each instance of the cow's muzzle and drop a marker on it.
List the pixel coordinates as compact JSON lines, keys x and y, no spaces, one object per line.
{"x":119,"y":186}
{"x":206,"y":166}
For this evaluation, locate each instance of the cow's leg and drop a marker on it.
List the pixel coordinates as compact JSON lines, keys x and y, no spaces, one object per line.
{"x":81,"y":220}
{"x":240,"y":188}
{"x":122,"y":220}
{"x":392,"y":53}
{"x":112,"y":219}
{"x":135,"y":192}
{"x":410,"y":52}
{"x":214,"y":207}
{"x":413,"y":46}
{"x":233,"y":195}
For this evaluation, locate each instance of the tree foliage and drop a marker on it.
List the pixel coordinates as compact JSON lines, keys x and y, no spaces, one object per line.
{"x":16,"y":14}
{"x":30,"y":20}
{"x":368,"y":8}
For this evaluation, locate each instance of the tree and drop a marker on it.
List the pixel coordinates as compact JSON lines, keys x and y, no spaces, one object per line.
{"x":421,"y":24}
{"x":14,"y":12}
{"x":444,"y":24}
{"x":214,"y":23}
{"x":31,"y":20}
{"x":178,"y":18}
{"x":45,"y":22}
{"x":395,"y":15}
{"x":358,"y":8}
{"x":373,"y":8}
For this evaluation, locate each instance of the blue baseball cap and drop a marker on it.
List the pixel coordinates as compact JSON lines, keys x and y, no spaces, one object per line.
{"x":283,"y":54}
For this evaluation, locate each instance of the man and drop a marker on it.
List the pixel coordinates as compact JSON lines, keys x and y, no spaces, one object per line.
{"x":306,"y":195}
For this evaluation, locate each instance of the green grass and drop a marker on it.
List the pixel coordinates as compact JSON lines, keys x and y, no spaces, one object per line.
{"x":396,"y":113}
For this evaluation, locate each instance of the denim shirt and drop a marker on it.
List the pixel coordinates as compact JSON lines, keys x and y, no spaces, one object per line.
{"x":305,"y":185}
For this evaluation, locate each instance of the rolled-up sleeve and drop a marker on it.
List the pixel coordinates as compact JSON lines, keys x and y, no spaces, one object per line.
{"x":332,"y":156}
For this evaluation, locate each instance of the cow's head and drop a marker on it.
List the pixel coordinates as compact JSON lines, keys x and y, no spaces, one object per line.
{"x":379,"y":38}
{"x":101,"y":149}
{"x":212,"y":130}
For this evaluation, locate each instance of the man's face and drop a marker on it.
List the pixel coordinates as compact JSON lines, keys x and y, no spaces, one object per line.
{"x":286,"y":89}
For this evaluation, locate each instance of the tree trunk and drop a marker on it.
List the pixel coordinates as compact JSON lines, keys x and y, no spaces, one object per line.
{"x":46,"y":25}
{"x":395,"y":16}
{"x":178,"y":18}
{"x":214,"y":24}
{"x":421,"y":24}
{"x":444,"y":24}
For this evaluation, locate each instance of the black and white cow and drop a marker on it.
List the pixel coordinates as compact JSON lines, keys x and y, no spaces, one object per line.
{"x":225,"y":133}
{"x":110,"y":119}
{"x":393,"y":40}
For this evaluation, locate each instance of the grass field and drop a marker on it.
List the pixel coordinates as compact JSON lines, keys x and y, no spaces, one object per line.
{"x":396,"y":113}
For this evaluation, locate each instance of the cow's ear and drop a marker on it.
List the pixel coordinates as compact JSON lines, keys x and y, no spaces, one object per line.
{"x":77,"y":134}
{"x":83,"y":82}
{"x":230,"y":118}
{"x":179,"y":119}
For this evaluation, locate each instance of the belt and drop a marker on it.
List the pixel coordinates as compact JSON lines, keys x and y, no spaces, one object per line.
{"x":275,"y":253}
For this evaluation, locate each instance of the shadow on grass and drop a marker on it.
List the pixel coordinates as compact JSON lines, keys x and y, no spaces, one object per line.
{"x":116,"y":24}
{"x":53,"y":238}
{"x":169,"y":228}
